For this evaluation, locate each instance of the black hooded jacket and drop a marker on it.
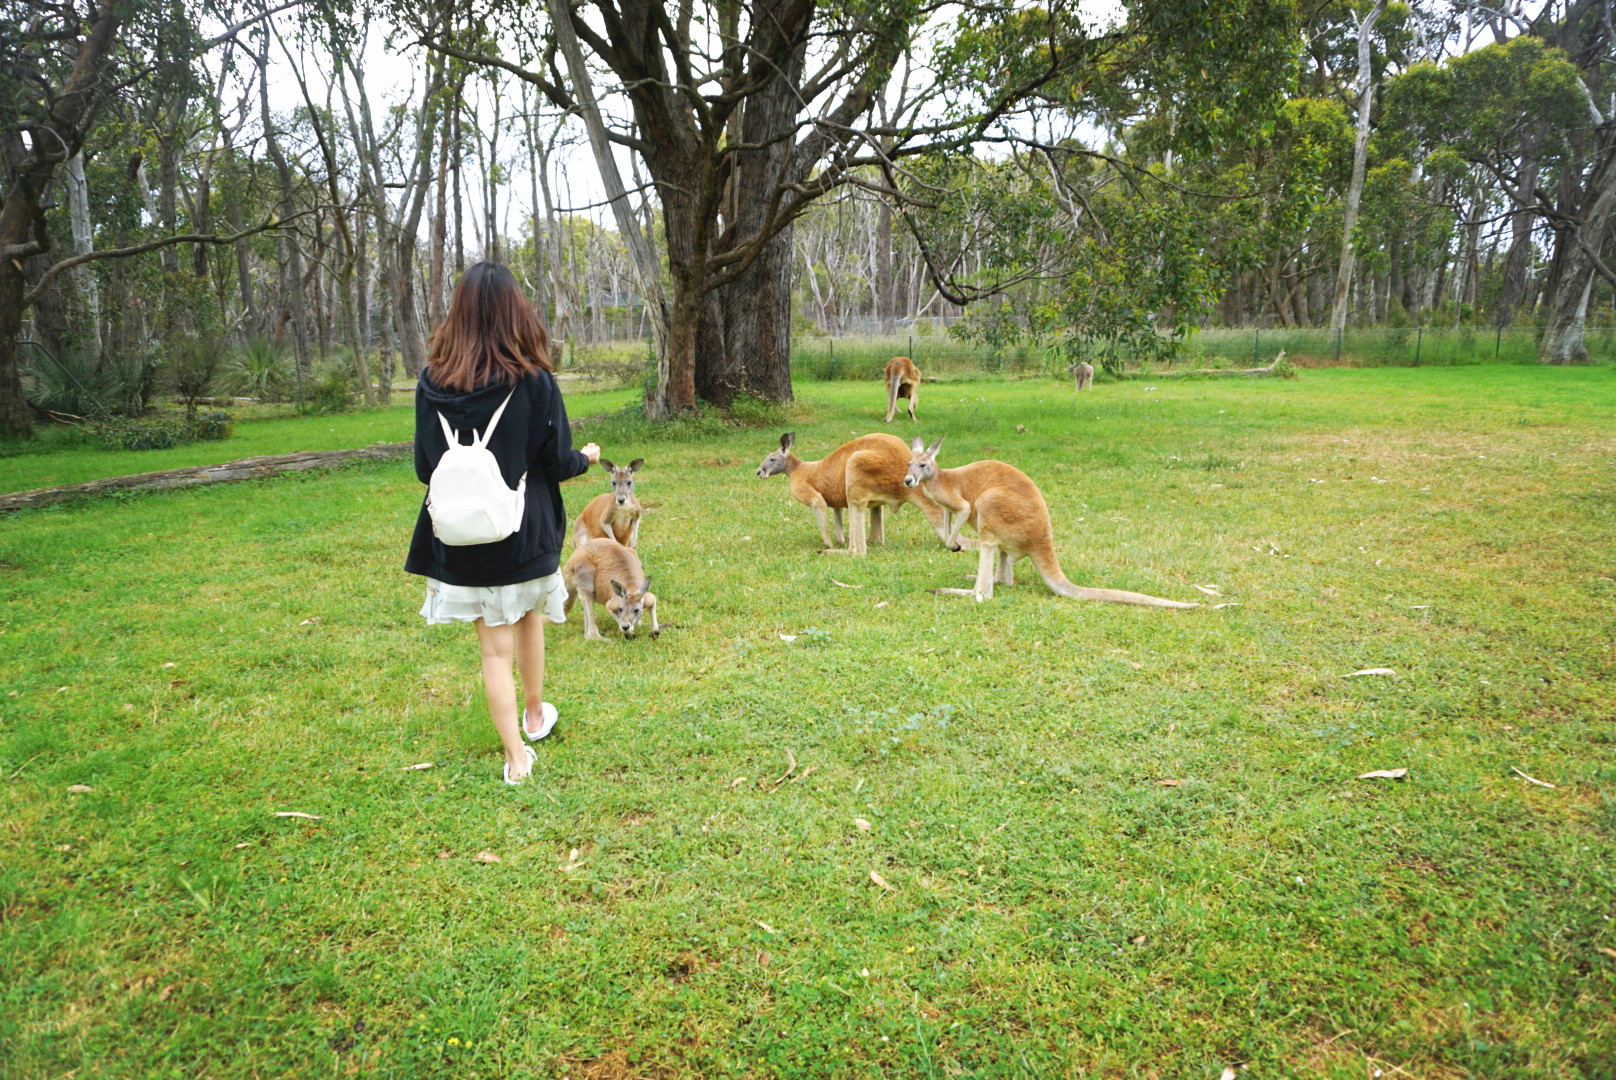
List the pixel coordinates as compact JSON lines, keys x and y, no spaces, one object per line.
{"x":533,"y":437}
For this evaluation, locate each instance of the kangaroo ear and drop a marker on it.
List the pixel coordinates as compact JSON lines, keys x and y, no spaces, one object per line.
{"x":931,"y":451}
{"x":645,"y":586}
{"x":788,"y":440}
{"x":608,"y":466}
{"x":918,"y":446}
{"x":617,"y":589}
{"x":634,"y":466}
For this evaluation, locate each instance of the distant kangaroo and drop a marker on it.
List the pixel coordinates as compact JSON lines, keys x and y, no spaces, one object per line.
{"x":1084,"y":372}
{"x":604,"y":571}
{"x":865,"y":474}
{"x":903,"y":381}
{"x":616,"y":510}
{"x":1011,"y":521}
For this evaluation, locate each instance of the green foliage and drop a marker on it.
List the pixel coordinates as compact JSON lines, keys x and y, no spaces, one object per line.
{"x":331,"y":388}
{"x":75,"y":383}
{"x":163,"y":433}
{"x":191,"y":363}
{"x":749,"y":412}
{"x":260,"y":368}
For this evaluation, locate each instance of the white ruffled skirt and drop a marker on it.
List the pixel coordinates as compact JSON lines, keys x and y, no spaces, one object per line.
{"x":496,"y":605}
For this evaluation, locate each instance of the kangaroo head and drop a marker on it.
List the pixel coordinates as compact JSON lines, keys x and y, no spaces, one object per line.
{"x":627,"y":607}
{"x":622,"y":479}
{"x":776,"y":461}
{"x":922,"y":461}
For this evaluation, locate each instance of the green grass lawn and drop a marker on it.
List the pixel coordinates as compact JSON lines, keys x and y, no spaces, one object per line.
{"x":664,"y":908}
{"x":45,"y":465}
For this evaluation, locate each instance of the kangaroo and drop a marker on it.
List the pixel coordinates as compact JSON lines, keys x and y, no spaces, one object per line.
{"x":1011,"y":521}
{"x":614,"y":514}
{"x":604,"y":571}
{"x":1084,"y":372}
{"x":903,"y":381}
{"x":865,"y":474}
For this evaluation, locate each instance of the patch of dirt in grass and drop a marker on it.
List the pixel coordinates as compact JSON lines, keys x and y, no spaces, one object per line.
{"x":615,"y":1065}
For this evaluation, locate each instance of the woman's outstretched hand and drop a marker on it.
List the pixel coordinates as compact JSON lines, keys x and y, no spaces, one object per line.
{"x":592,"y":452}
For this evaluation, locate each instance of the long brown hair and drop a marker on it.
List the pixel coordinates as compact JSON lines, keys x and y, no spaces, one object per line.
{"x":490,"y":333}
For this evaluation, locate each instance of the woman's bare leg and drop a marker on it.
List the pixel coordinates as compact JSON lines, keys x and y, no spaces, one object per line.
{"x":530,"y":659}
{"x":499,"y":647}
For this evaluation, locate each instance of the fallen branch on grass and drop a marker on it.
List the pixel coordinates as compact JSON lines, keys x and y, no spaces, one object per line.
{"x":252,"y":468}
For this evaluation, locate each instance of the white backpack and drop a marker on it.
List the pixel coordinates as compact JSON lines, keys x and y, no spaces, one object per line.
{"x":466,"y":496}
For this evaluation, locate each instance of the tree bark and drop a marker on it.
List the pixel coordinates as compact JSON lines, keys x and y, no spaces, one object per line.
{"x":85,"y":278}
{"x":1562,"y":341}
{"x":1360,"y":156}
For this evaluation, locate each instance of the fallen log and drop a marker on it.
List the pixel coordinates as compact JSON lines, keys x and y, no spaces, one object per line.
{"x":252,"y":468}
{"x":1279,"y":369}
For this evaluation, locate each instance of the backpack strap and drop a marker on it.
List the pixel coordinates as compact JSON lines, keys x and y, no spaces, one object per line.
{"x":488,"y":432}
{"x":448,"y":432}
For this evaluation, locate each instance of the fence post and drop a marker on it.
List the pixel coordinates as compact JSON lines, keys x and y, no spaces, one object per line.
{"x":1338,"y":347}
{"x":1419,"y":336}
{"x":1256,"y":348}
{"x":1498,"y":340}
{"x":911,"y":346}
{"x":832,"y":376}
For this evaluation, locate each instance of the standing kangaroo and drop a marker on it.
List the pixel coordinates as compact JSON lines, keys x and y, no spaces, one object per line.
{"x":1083,"y":371}
{"x":903,"y":381}
{"x":604,"y":571}
{"x":1011,"y":521}
{"x":865,"y":474}
{"x":615,"y":513}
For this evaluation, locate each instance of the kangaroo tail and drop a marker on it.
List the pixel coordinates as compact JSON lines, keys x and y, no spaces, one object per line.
{"x":1049,"y":569}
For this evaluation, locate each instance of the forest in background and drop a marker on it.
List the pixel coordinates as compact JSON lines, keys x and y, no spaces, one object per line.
{"x":1104,"y":187}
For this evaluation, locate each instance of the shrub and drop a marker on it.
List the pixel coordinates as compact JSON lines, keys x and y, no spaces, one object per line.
{"x":192,"y":364}
{"x":76,"y":384}
{"x":331,"y":389}
{"x":261,"y":368}
{"x":164,"y":433}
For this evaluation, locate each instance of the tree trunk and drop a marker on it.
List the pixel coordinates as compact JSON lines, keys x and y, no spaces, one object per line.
{"x":27,"y":176}
{"x":89,"y":285}
{"x":1360,"y":156}
{"x":1568,"y":311}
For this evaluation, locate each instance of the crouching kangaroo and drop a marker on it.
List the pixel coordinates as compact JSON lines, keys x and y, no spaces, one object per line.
{"x":861,"y":476}
{"x":614,"y":514}
{"x":903,"y":381}
{"x":1011,"y":521}
{"x":604,"y":571}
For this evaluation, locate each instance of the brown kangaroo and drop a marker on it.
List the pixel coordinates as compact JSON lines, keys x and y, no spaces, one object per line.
{"x":1083,"y":372}
{"x":1011,"y":521}
{"x":865,"y":474}
{"x":903,"y":381}
{"x":616,"y":510}
{"x":604,"y":571}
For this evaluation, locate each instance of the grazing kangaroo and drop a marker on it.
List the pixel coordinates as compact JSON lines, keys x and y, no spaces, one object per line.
{"x":1084,"y":372}
{"x":1011,"y":521}
{"x":604,"y":571}
{"x":903,"y":381}
{"x":614,"y":514}
{"x":865,"y":474}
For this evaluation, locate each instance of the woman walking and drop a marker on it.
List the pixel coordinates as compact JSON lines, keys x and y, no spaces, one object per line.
{"x":488,"y":381}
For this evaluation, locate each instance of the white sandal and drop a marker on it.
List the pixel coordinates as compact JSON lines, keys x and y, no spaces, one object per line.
{"x":532,"y":762}
{"x":548,"y":716}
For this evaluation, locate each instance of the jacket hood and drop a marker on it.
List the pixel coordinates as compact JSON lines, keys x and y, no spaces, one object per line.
{"x":464,"y":409}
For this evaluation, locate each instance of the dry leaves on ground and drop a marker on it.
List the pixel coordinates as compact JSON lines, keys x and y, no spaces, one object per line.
{"x":1369,"y":671}
{"x":297,"y":814}
{"x":1384,"y":774}
{"x":486,"y":856}
{"x":863,"y":826}
{"x":1532,"y":779}
{"x":418,"y":765}
{"x":80,"y":789}
{"x":881,"y":881}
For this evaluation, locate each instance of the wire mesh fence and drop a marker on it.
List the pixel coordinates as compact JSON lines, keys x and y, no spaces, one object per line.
{"x":937,"y":354}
